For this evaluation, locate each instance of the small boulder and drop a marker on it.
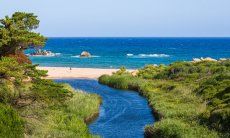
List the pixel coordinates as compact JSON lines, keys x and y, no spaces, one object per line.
{"x":85,"y":54}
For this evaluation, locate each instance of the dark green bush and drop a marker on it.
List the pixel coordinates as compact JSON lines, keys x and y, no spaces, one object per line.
{"x":9,"y":68}
{"x":31,"y":71}
{"x":48,"y":91}
{"x":219,"y":119}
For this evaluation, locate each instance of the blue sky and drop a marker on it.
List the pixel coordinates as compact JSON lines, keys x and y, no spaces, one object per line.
{"x":126,"y":18}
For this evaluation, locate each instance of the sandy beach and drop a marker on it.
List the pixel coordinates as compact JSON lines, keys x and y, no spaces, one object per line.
{"x":65,"y":72}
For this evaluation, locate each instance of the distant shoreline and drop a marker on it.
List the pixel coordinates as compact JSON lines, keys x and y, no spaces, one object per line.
{"x":77,"y":73}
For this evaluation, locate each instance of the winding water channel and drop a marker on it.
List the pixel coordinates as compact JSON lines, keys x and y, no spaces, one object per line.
{"x":122,"y":113}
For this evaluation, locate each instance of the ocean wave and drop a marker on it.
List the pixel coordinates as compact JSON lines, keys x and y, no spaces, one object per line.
{"x":148,"y":55}
{"x":153,"y":55}
{"x":57,"y":54}
{"x":78,"y":56}
{"x":129,"y":54}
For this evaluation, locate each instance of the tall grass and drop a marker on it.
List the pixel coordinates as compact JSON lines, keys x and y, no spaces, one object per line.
{"x":11,"y":124}
{"x":188,"y":99}
{"x":177,"y":106}
{"x":65,"y":120}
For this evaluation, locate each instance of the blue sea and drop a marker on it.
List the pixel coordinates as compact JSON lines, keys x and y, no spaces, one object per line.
{"x":130,"y":52}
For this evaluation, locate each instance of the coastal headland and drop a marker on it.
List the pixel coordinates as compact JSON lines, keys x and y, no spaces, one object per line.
{"x":67,"y":72}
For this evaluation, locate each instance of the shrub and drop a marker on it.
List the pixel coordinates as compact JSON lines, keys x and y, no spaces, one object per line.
{"x":121,"y":71}
{"x":9,"y":67}
{"x":150,"y":71}
{"x":50,"y":92}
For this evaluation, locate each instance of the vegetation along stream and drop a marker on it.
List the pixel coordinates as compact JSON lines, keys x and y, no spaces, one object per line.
{"x":123,"y":113}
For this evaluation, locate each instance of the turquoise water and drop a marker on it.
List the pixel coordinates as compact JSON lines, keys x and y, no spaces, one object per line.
{"x":123,"y":114}
{"x":131,"y":52}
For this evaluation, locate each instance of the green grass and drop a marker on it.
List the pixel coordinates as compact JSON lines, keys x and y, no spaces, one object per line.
{"x":189,"y":99}
{"x":11,"y":124}
{"x":175,"y":128}
{"x":65,"y":119}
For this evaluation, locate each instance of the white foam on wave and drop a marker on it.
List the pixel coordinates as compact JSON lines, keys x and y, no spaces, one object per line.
{"x":57,"y":54}
{"x":148,"y":55}
{"x":77,"y":56}
{"x":129,"y":55}
{"x":95,"y":56}
{"x":153,"y":55}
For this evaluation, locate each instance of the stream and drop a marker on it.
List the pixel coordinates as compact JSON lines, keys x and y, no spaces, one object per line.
{"x":123,"y":113}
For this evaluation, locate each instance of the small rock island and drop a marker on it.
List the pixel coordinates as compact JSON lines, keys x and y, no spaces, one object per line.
{"x":85,"y":54}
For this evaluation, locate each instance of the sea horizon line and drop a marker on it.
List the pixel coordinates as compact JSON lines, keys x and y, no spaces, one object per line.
{"x":228,"y":37}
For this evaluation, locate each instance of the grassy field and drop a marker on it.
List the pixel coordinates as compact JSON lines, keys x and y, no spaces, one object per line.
{"x":189,"y":99}
{"x":34,"y":107}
